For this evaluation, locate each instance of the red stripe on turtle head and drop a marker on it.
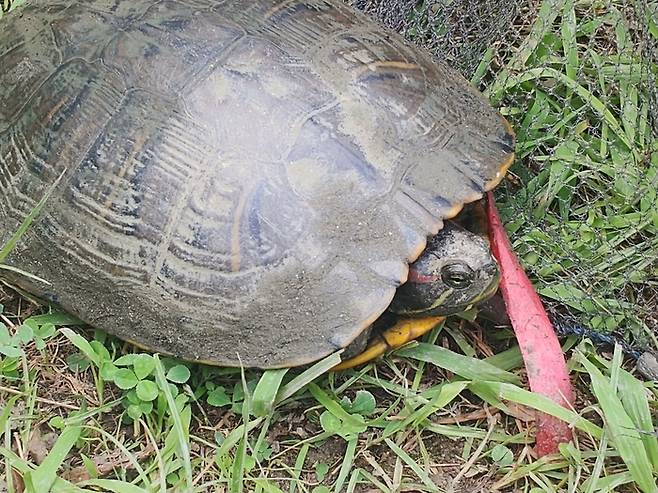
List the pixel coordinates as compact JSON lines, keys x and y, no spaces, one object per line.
{"x":418,"y":277}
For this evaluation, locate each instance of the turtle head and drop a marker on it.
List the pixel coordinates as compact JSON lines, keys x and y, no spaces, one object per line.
{"x":456,"y":271}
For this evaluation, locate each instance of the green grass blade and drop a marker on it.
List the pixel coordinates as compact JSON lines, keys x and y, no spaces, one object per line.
{"x":237,"y":471}
{"x":546,"y":16}
{"x":81,"y":417}
{"x":6,"y":413}
{"x":266,"y":391}
{"x":42,"y":478}
{"x":374,"y":481}
{"x":179,"y":431}
{"x":236,"y":484}
{"x":415,"y":467}
{"x":134,"y":462}
{"x":27,"y":222}
{"x":354,"y":479}
{"x":608,"y":484}
{"x":465,"y":367}
{"x":348,"y":462}
{"x":568,"y":30}
{"x":83,"y":345}
{"x":23,"y":273}
{"x":55,"y":318}
{"x":461,"y":431}
{"x":634,"y":398}
{"x":483,"y":67}
{"x":507,"y":360}
{"x":24,"y":468}
{"x":461,"y":341}
{"x":505,"y":391}
{"x":299,"y":465}
{"x":309,"y":375}
{"x":236,"y":435}
{"x":594,"y":102}
{"x":446,"y":395}
{"x":622,"y":430}
{"x":114,"y":485}
{"x":332,"y":406}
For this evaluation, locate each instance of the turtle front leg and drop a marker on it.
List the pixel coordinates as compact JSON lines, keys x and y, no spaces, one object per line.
{"x":399,"y":334}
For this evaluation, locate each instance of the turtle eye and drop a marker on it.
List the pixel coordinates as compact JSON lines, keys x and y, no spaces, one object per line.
{"x":457,"y":275}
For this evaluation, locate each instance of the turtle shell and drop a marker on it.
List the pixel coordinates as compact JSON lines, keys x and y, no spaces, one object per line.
{"x":241,"y":183}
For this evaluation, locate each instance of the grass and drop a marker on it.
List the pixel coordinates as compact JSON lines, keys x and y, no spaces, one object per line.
{"x":85,"y":412}
{"x":586,"y":218}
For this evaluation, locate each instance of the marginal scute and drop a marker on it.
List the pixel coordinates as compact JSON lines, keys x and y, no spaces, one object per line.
{"x":245,"y":182}
{"x":409,"y":205}
{"x":394,"y":271}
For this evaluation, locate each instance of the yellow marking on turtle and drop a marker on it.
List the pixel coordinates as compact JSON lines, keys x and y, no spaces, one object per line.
{"x":399,"y":334}
{"x":505,"y":165}
{"x":415,"y":254}
{"x":454,"y":210}
{"x":235,"y":231}
{"x":508,"y":127}
{"x":490,"y":185}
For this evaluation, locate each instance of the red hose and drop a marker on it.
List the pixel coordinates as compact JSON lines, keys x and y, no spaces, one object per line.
{"x":542,"y":354}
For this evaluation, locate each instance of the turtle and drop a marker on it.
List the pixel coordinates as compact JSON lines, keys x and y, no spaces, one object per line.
{"x":241,"y":184}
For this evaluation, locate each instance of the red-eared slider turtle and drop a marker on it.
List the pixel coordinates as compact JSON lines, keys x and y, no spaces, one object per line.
{"x":243,"y":182}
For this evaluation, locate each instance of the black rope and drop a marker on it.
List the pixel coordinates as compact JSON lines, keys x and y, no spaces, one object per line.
{"x":566,"y":326}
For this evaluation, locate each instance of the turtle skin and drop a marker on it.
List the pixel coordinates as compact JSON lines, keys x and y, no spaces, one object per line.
{"x":241,"y":183}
